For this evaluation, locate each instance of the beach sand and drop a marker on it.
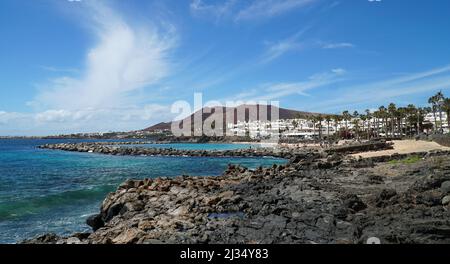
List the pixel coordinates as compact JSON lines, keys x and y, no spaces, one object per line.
{"x":404,"y":147}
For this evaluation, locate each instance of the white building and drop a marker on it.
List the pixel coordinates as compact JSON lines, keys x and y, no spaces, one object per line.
{"x":303,"y":128}
{"x":436,"y":119}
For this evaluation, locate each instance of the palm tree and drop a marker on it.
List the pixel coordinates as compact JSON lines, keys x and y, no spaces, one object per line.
{"x":363,"y":119}
{"x":439,"y":102}
{"x":347,"y":117}
{"x":337,"y":119}
{"x":446,"y":108}
{"x":356,"y":127}
{"x":328,"y":118}
{"x":383,"y":116}
{"x":408,"y":113}
{"x":426,"y":110}
{"x":377,"y":116}
{"x":313,"y":119}
{"x":369,"y":123}
{"x":355,"y":116}
{"x":320,"y":120}
{"x":411,"y":117}
{"x":402,"y":114}
{"x":421,"y":112}
{"x":433,"y":102}
{"x":392,"y":109}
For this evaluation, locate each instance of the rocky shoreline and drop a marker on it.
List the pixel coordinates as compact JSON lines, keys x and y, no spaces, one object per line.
{"x":316,"y":197}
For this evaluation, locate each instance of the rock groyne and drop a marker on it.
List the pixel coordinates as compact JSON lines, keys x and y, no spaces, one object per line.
{"x":114,"y":148}
{"x":105,"y":148}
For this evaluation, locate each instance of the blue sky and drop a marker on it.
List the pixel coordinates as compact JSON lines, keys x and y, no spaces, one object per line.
{"x":84,"y":66}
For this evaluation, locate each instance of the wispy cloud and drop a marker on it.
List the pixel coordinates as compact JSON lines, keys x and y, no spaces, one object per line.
{"x":240,"y":10}
{"x":218,"y":11}
{"x":269,"y":8}
{"x":382,"y":92}
{"x":272,"y":91}
{"x":277,"y":49}
{"x":334,"y":4}
{"x":341,"y":45}
{"x":57,"y":69}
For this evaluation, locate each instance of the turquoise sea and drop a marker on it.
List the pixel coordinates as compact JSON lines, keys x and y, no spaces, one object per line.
{"x":45,"y":191}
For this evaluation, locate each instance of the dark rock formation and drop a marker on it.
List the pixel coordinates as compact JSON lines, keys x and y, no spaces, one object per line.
{"x":95,"y":221}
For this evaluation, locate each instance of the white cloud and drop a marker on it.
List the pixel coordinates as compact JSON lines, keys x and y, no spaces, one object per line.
{"x":122,"y":71}
{"x":125,"y":59}
{"x":62,"y":115}
{"x":7,"y":117}
{"x":54,"y":116}
{"x":63,"y":121}
{"x":269,"y":8}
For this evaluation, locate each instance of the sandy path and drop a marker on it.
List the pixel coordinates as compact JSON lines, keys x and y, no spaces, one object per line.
{"x":404,"y":147}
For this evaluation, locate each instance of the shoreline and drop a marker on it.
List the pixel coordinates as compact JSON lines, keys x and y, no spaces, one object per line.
{"x":314,"y":198}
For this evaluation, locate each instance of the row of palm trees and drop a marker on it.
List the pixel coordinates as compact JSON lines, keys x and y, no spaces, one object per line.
{"x":390,"y":121}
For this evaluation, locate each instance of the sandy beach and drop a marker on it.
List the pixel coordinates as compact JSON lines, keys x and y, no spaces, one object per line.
{"x":404,"y":147}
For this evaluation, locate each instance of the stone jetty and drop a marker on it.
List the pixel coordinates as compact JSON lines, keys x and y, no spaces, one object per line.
{"x":106,"y":148}
{"x":115,"y":148}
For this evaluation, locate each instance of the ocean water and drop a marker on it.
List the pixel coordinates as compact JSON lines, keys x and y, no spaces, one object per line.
{"x":45,"y":191}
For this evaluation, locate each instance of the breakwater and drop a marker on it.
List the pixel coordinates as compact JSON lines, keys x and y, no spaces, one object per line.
{"x":106,"y":148}
{"x":278,"y":152}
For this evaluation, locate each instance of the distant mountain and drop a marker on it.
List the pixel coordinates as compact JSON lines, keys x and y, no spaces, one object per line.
{"x":252,"y":113}
{"x":159,"y":126}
